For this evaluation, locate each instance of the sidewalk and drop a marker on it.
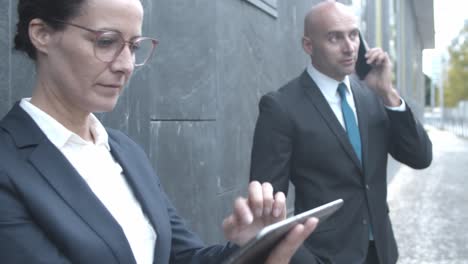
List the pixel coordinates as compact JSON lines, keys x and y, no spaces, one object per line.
{"x":429,"y":208}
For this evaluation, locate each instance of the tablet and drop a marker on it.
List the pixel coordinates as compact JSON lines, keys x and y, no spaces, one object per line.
{"x":258,"y":247}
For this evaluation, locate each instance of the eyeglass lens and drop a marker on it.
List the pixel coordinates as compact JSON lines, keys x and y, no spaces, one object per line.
{"x":109,"y":45}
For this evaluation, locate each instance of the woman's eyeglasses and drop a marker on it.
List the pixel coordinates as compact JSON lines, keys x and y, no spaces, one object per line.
{"x":108,"y":44}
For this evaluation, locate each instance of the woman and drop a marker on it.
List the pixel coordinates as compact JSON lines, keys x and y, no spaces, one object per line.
{"x":74,"y":192}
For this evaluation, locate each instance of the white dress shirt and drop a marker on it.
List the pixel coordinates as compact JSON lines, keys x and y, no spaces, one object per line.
{"x":329,"y":89}
{"x":104,"y":176}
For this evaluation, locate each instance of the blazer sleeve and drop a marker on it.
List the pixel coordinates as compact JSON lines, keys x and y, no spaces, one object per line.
{"x":409,"y":142}
{"x":272,"y":144}
{"x":21,"y":240}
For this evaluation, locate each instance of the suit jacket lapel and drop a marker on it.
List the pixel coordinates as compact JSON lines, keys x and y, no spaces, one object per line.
{"x":65,"y":180}
{"x":322,"y":107}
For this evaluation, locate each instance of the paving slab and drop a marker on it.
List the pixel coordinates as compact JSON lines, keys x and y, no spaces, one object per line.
{"x":429,"y":208}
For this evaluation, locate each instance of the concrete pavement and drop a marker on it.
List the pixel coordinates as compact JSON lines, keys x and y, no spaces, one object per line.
{"x":429,"y":208}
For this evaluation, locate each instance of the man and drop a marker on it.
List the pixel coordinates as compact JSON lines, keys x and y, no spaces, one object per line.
{"x":334,"y":142}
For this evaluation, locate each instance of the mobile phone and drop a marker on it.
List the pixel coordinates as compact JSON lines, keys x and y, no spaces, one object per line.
{"x":260,"y":246}
{"x":362,"y":68}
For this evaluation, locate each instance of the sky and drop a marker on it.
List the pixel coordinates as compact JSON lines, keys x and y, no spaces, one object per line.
{"x":449,"y":17}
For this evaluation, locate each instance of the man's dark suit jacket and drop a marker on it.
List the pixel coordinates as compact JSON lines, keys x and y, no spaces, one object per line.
{"x":48,"y":214}
{"x":299,"y":139}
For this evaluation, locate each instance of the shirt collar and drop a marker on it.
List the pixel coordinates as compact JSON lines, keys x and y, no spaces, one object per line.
{"x":60,"y":135}
{"x":328,"y":86}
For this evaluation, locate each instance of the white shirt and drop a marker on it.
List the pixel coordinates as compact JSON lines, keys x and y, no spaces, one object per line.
{"x":329,"y":89}
{"x":104,"y":176}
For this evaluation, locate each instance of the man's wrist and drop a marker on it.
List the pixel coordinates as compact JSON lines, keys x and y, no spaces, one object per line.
{"x":392,"y":98}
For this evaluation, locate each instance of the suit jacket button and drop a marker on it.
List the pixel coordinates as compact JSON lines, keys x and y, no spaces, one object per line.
{"x":364,"y":222}
{"x":367,"y":187}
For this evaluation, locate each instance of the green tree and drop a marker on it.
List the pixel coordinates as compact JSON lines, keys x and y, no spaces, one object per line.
{"x":456,"y":84}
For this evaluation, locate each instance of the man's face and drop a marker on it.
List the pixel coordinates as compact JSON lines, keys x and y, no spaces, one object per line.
{"x":333,"y":43}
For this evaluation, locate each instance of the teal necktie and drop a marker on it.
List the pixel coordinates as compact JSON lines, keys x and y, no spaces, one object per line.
{"x":350,"y":121}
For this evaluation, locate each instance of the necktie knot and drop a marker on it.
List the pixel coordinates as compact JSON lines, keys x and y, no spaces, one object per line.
{"x":342,"y":90}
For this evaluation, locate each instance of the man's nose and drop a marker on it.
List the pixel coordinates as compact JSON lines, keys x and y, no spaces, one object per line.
{"x":349,"y":45}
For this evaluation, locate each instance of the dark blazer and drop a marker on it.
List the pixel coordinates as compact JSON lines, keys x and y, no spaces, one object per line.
{"x":48,"y":214}
{"x":299,"y":139}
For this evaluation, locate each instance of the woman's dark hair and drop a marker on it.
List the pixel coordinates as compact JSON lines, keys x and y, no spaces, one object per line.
{"x":48,"y":11}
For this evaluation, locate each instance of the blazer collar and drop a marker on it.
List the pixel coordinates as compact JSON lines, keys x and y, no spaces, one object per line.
{"x":323,"y":108}
{"x":65,"y":180}
{"x":22,"y":128}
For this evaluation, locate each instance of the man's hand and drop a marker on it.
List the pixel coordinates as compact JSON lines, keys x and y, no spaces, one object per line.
{"x":260,"y":209}
{"x":380,"y":77}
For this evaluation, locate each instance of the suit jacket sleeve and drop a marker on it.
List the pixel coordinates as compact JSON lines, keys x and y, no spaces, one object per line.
{"x":272,"y":153}
{"x":409,"y":142}
{"x":272,"y":144}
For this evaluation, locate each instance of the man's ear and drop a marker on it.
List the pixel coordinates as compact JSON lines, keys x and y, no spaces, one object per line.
{"x":307,"y":45}
{"x":40,"y":34}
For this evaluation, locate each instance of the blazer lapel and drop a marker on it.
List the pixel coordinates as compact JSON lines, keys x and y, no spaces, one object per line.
{"x":139,"y":175}
{"x":65,"y":180}
{"x":324,"y":109}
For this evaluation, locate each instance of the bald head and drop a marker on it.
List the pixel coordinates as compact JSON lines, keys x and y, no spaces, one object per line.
{"x":331,"y":38}
{"x":320,"y":14}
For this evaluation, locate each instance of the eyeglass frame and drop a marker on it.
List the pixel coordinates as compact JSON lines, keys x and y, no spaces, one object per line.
{"x":98,"y":33}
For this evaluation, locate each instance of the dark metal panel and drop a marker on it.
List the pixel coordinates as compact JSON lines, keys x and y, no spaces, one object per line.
{"x":4,"y":57}
{"x":183,"y":72}
{"x":256,"y":54}
{"x":22,"y":70}
{"x":185,"y":156}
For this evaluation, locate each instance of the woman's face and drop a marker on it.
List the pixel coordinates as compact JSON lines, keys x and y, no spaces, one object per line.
{"x":75,"y":77}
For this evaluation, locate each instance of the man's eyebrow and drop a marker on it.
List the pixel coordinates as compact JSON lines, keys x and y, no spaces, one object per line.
{"x":341,"y":32}
{"x":334,"y":32}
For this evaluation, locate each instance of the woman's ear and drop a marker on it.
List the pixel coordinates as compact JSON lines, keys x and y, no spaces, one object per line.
{"x":40,"y":34}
